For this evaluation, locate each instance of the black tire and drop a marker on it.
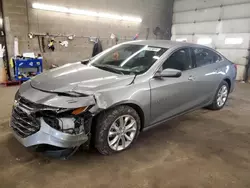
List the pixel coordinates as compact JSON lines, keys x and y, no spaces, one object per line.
{"x":104,"y":122}
{"x":214,"y":105}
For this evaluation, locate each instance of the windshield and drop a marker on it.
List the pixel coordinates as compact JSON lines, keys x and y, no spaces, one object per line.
{"x":128,"y":58}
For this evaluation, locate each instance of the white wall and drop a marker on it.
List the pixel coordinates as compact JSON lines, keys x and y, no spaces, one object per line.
{"x":216,"y":19}
{"x":21,"y":18}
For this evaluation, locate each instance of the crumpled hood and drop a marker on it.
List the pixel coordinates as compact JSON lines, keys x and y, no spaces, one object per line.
{"x":80,"y":78}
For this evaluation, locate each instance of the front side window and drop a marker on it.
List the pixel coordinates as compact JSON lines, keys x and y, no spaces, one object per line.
{"x":204,"y":57}
{"x":128,"y":59}
{"x":179,"y":60}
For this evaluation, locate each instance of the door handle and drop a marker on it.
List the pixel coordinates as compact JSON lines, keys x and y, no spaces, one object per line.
{"x":191,"y":78}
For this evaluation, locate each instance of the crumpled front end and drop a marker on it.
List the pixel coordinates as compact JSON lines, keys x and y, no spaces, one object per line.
{"x":36,"y":124}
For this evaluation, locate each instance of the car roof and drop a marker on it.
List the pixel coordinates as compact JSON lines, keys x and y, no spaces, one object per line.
{"x":171,"y":44}
{"x":163,"y":43}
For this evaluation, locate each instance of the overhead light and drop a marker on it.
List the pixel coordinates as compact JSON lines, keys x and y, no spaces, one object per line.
{"x":82,"y":12}
{"x":110,"y":16}
{"x":204,"y":41}
{"x":49,"y":7}
{"x":181,"y":40}
{"x":85,"y":12}
{"x":234,"y":40}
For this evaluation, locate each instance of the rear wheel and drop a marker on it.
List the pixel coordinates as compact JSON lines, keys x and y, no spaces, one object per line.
{"x":117,"y":129}
{"x":221,"y":96}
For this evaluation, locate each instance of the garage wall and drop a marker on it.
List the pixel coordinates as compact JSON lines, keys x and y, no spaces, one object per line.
{"x":218,"y":20}
{"x":21,"y":18}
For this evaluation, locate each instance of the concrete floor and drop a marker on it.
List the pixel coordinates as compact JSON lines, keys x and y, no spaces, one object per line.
{"x":201,"y":149}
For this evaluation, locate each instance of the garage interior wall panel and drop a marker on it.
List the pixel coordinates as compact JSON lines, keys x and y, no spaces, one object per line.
{"x":218,"y":20}
{"x":18,"y":14}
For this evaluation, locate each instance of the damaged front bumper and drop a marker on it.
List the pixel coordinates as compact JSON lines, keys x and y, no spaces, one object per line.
{"x":50,"y":136}
{"x":31,"y":129}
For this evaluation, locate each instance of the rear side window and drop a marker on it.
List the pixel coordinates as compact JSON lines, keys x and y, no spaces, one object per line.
{"x":202,"y":57}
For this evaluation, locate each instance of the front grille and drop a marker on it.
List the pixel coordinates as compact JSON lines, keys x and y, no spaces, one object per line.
{"x":22,"y":122}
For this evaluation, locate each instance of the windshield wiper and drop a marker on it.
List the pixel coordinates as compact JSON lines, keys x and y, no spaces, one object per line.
{"x":109,"y":68}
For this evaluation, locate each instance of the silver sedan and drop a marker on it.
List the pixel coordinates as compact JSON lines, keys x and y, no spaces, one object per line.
{"x":114,"y":96}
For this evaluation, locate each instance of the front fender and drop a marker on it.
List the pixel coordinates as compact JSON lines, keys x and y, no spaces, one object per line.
{"x":137,"y":96}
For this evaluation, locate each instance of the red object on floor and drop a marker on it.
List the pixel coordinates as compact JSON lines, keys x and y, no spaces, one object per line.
{"x":11,"y":83}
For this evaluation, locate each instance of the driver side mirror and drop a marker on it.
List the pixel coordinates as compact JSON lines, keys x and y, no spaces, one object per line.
{"x":170,"y":73}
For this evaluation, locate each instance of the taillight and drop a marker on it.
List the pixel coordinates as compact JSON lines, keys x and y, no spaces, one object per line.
{"x":235,"y":66}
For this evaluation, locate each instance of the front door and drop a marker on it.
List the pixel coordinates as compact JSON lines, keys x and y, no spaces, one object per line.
{"x":172,"y":96}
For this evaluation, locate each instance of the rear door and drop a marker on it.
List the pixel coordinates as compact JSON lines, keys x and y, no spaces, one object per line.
{"x":206,"y":73}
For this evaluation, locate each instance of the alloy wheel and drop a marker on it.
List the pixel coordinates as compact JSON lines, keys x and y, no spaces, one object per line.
{"x":222,"y":96}
{"x":122,"y":132}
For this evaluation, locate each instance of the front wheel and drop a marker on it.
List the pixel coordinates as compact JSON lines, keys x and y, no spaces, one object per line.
{"x":221,"y":96}
{"x":117,"y":129}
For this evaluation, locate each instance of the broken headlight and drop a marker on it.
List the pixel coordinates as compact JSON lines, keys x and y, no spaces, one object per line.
{"x":71,"y":121}
{"x":70,"y":125}
{"x":52,"y":121}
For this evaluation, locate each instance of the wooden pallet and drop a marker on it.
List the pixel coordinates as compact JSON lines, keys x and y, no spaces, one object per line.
{"x":11,"y":83}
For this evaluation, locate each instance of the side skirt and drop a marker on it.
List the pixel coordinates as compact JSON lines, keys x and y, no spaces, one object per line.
{"x":172,"y":117}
